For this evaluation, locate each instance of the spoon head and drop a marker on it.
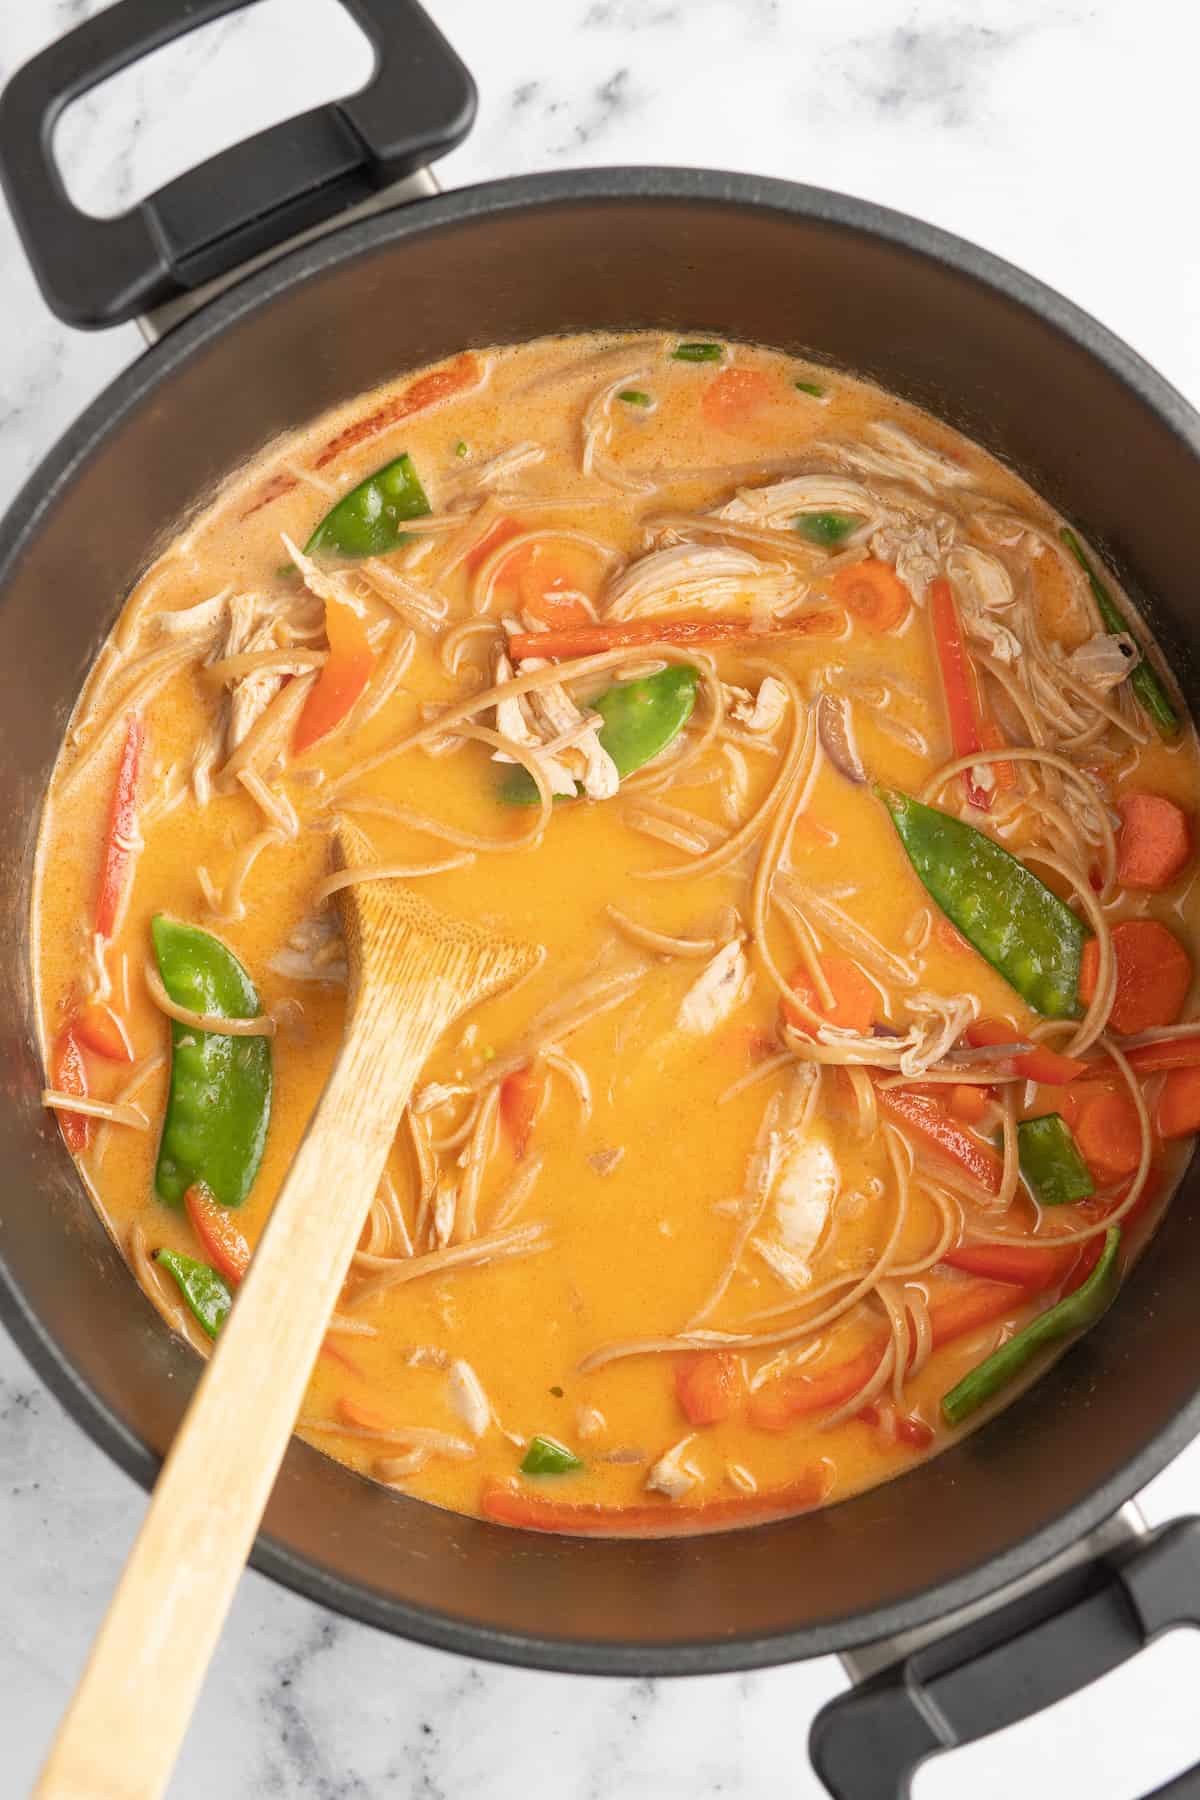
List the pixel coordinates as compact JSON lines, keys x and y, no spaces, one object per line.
{"x":397,"y":943}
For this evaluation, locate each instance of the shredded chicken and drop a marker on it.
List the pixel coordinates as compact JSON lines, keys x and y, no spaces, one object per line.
{"x":1104,"y":661}
{"x":723,"y":985}
{"x":712,"y":577}
{"x":468,"y":1398}
{"x":672,"y":1476}
{"x":762,"y":712}
{"x":776,"y":507}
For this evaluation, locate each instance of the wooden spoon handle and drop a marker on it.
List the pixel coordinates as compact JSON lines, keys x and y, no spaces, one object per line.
{"x":122,"y":1731}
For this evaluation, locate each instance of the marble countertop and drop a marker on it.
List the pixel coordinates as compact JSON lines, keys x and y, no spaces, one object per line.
{"x":1031,"y":126}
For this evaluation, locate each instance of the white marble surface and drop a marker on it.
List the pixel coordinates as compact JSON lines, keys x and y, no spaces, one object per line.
{"x":1052,"y":131}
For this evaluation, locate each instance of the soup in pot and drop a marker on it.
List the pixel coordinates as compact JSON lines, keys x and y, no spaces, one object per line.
{"x":849,"y":805}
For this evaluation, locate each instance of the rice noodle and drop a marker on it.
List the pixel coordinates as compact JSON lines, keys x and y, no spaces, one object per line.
{"x":116,"y":1112}
{"x":262,"y":1026}
{"x":771,"y":1066}
{"x":263,"y":662}
{"x":344,"y":878}
{"x":269,"y":736}
{"x":850,"y":934}
{"x":484,"y":579}
{"x":137,"y":1080}
{"x":153,"y":1284}
{"x":1095,"y":1019}
{"x":660,"y":943}
{"x":512,"y":1198}
{"x":491,"y":1246}
{"x":874,"y":1384}
{"x":426,"y":1175}
{"x":921,"y":1330}
{"x":1011,"y":1170}
{"x":233,"y":907}
{"x":459,"y":636}
{"x":474,"y":1161}
{"x":574,"y":1075}
{"x":577,"y":1007}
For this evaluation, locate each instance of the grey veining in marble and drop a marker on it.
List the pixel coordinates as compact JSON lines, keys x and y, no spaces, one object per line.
{"x":1042,"y":128}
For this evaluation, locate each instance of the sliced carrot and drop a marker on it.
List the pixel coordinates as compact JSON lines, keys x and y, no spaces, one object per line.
{"x":1032,"y":1266}
{"x":1168,"y":1053}
{"x":342,"y":679}
{"x":873,"y":592}
{"x":440,"y":384}
{"x":68,"y":1073}
{"x":352,"y":1412}
{"x":98,"y":1027}
{"x":1108,"y":1134}
{"x":948,"y":935}
{"x":120,"y":843}
{"x":554,"y":581}
{"x":1040,"y":1064}
{"x":1154,"y":843}
{"x":855,"y":1001}
{"x":509,"y":1504}
{"x":732,"y":398}
{"x":958,"y":685}
{"x":969,"y":1104}
{"x":223,"y":1244}
{"x":794,"y":1395}
{"x":496,"y":534}
{"x":709,"y":1385}
{"x":1154,"y":973}
{"x":1178,"y":1111}
{"x":941,"y":1133}
{"x":520,"y":1096}
{"x":617,"y":634}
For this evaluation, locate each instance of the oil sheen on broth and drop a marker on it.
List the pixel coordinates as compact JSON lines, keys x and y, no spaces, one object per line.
{"x":706,"y":1220}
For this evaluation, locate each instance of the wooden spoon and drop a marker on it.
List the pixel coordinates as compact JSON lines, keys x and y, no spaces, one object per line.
{"x":413,"y":971}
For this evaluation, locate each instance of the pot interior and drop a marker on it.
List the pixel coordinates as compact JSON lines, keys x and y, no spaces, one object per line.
{"x":942,"y":325}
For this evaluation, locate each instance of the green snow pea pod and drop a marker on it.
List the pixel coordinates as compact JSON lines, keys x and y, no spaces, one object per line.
{"x":1151,"y":694}
{"x":1076,"y":1313}
{"x":1023,"y":929}
{"x":219,"y":1102}
{"x":207,"y":1293}
{"x":640,"y":720}
{"x":367,"y":520}
{"x":697,"y":352}
{"x":1051,"y":1163}
{"x":546,"y":1456}
{"x":825,"y":528}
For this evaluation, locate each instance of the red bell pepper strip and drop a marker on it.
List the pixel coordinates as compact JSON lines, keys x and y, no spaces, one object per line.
{"x":342,"y":679}
{"x":223,"y":1243}
{"x":1039,"y":1064}
{"x":926,"y":1117}
{"x":520,"y":1097}
{"x":1033,"y":1266}
{"x":120,"y":846}
{"x":68,"y":1073}
{"x":620,"y":634}
{"x":512,"y":1505}
{"x":708,"y":1385}
{"x":98,"y":1027}
{"x":958,"y":685}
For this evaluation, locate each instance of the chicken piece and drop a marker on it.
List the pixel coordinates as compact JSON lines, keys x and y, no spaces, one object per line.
{"x":761,"y":713}
{"x":468,"y":1398}
{"x":711,"y":577}
{"x":670,"y":1475}
{"x":774,"y":508}
{"x":724,"y":983}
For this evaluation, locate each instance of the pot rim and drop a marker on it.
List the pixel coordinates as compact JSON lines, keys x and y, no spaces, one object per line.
{"x":513,"y":195}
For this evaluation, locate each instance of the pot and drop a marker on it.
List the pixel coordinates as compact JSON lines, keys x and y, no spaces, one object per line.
{"x":1019,"y":1537}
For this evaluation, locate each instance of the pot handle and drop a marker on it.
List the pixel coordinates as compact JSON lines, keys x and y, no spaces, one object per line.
{"x":419,"y":103}
{"x":1040,"y":1647}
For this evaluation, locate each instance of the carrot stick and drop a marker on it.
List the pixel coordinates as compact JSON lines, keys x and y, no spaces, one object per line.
{"x":121,"y":837}
{"x":68,"y":1073}
{"x":873,"y":592}
{"x":855,"y":1001}
{"x":958,"y":685}
{"x":520,"y":1097}
{"x":708,"y":1385}
{"x":342,"y":679}
{"x":615,"y":634}
{"x":969,"y":1104}
{"x":512,"y":1505}
{"x":929,"y":1121}
{"x":1155,"y":841}
{"x":223,"y":1243}
{"x":1154,"y":973}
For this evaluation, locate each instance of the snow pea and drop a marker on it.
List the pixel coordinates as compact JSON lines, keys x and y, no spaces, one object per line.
{"x":546,"y":1456}
{"x":1023,"y":929}
{"x":1151,"y":694}
{"x":697,"y":353}
{"x":219,"y":1102}
{"x":367,"y":520}
{"x":1051,"y":1163}
{"x":640,"y":720}
{"x":207,"y":1294}
{"x":824,"y":527}
{"x":1076,"y":1313}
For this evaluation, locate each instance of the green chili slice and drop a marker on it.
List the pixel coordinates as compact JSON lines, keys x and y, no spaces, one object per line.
{"x":546,"y":1456}
{"x":460,"y":449}
{"x":219,"y":1102}
{"x":1051,"y":1163}
{"x":207,"y":1293}
{"x":634,"y":397}
{"x":810,"y":387}
{"x":640,"y":720}
{"x":367,"y":520}
{"x":825,"y":527}
{"x":1151,"y":693}
{"x":1014,"y":921}
{"x":698,"y":352}
{"x":1076,"y":1313}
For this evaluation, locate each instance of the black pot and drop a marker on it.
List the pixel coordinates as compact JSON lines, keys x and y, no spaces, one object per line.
{"x":938,"y":321}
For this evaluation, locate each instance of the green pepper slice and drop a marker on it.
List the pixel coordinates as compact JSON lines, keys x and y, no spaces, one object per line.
{"x":1051,"y":1163}
{"x":546,"y":1456}
{"x":640,"y":720}
{"x":1014,"y":921}
{"x":1151,"y":693}
{"x":810,"y":387}
{"x":219,"y":1102}
{"x":824,"y":527}
{"x":634,"y":397}
{"x":207,"y":1293}
{"x":367,"y":520}
{"x":1076,"y":1313}
{"x":697,"y":352}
